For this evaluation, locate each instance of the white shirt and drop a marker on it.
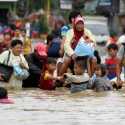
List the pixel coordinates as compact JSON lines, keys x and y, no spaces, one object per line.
{"x":13,"y":83}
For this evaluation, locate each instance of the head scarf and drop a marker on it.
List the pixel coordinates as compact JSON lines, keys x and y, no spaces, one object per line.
{"x":77,"y":34}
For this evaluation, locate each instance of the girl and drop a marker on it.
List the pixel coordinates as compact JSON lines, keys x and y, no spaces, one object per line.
{"x":99,"y":81}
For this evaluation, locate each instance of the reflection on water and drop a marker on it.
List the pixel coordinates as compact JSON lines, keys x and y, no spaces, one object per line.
{"x":37,"y":107}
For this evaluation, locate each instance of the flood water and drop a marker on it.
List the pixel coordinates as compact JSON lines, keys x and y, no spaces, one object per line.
{"x":60,"y":107}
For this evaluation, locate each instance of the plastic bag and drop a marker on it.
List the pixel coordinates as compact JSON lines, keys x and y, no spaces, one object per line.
{"x":84,"y":49}
{"x":19,"y":72}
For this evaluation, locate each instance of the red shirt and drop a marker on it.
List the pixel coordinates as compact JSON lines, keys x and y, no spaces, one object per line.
{"x":45,"y":83}
{"x":111,"y":66}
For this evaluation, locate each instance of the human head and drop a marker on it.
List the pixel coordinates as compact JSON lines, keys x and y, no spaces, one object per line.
{"x":79,"y":66}
{"x":3,"y":93}
{"x":100,"y":70}
{"x":23,"y":32}
{"x":113,"y":34}
{"x":59,"y":22}
{"x":112,"y":49}
{"x":79,"y":23}
{"x":49,"y":39}
{"x":17,"y":47}
{"x":96,"y":54}
{"x":51,"y":64}
{"x":7,"y":36}
{"x":73,"y":15}
{"x":17,"y":32}
{"x":40,"y":51}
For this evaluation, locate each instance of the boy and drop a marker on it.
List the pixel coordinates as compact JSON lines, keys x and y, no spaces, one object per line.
{"x":113,"y":63}
{"x":80,"y":80}
{"x":47,"y":80}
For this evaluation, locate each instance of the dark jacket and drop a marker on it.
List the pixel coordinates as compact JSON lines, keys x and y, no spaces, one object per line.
{"x":35,"y":68}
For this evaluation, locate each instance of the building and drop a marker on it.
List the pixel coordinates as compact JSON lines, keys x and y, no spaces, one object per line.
{"x":122,"y":6}
{"x":5,"y":7}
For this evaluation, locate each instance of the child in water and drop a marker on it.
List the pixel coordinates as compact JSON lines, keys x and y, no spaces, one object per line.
{"x":99,"y":81}
{"x":80,"y":79}
{"x":47,"y":80}
{"x":113,"y":64}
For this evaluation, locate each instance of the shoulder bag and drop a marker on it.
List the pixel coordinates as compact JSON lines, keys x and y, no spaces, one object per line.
{"x":5,"y":70}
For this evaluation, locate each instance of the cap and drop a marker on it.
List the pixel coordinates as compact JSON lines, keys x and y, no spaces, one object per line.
{"x":41,"y":49}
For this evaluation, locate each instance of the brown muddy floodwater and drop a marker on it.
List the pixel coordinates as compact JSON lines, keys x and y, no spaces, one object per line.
{"x":37,"y":107}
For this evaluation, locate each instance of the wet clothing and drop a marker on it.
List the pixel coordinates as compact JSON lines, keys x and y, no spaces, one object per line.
{"x":75,"y":87}
{"x":46,"y":83}
{"x":78,"y":82}
{"x":101,"y":84}
{"x":35,"y":68}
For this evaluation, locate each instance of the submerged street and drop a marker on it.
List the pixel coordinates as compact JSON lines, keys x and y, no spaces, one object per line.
{"x":62,"y":108}
{"x":62,"y":62}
